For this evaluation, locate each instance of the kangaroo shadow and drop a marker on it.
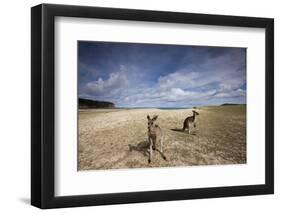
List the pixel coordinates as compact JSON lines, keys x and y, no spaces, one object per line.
{"x":177,"y":130}
{"x":141,"y":147}
{"x":184,"y":132}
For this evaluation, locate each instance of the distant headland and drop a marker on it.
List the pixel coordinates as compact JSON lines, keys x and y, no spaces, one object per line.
{"x":94,"y":104}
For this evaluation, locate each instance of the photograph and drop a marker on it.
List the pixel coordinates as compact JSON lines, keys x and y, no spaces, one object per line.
{"x":152,"y":105}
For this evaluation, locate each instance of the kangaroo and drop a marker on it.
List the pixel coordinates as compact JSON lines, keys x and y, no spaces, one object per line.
{"x":190,"y":120}
{"x":155,"y":135}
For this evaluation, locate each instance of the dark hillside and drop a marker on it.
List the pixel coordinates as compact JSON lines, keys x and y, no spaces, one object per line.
{"x":88,"y":104}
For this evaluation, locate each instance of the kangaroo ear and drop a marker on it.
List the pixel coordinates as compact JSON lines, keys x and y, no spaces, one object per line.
{"x":148,"y":117}
{"x":155,"y":117}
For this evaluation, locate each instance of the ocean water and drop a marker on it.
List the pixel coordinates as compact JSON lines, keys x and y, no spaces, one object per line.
{"x":165,"y":108}
{"x":162,"y":108}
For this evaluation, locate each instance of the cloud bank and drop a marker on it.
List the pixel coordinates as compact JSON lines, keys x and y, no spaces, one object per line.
{"x":149,"y":75}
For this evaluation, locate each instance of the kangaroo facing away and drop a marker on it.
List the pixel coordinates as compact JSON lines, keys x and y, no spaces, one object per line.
{"x":155,"y":135}
{"x":189,"y":120}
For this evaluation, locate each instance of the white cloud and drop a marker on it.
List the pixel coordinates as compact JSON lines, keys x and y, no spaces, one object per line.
{"x":115,"y":82}
{"x":178,"y":92}
{"x":231,"y":94}
{"x":182,"y":79}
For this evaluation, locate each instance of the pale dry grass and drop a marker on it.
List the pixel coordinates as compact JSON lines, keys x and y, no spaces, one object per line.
{"x":114,"y":138}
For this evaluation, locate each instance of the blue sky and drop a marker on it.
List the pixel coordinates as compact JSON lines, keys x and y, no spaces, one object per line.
{"x":156,"y":75}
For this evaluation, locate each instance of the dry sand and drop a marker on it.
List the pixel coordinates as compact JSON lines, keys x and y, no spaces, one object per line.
{"x":114,"y":138}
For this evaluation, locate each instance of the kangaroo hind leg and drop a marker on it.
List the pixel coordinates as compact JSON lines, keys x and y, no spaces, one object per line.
{"x":150,"y":150}
{"x":154,"y":144}
{"x":188,"y":130}
{"x":161,"y":148}
{"x":184,"y":126}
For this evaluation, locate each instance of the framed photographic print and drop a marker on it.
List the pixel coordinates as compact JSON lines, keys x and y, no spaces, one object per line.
{"x":139,"y":106}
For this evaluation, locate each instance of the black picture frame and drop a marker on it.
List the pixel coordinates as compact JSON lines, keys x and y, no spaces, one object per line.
{"x":43,"y":102}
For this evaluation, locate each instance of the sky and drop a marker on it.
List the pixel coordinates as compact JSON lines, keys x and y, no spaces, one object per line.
{"x":160,"y":75}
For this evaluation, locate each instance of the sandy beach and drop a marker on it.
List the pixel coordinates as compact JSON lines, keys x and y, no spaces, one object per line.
{"x":117,"y":138}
